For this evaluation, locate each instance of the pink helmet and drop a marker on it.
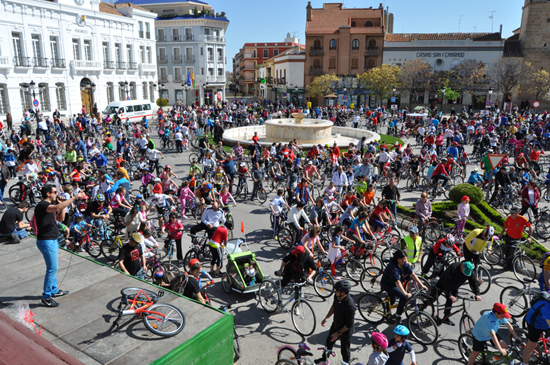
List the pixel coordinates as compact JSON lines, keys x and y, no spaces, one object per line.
{"x":380,"y":339}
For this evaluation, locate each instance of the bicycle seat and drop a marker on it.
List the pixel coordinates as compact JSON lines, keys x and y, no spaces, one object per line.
{"x":382,"y":294}
{"x":303,"y":352}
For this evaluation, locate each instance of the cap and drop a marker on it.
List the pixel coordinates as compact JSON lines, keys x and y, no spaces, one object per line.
{"x":514,"y":210}
{"x":476,"y":169}
{"x":501,"y":309}
{"x":399,"y":254}
{"x":468,"y":268}
{"x":137,"y":237}
{"x":298,"y":250}
{"x":310,"y":162}
{"x":466,"y":197}
{"x":413,"y":229}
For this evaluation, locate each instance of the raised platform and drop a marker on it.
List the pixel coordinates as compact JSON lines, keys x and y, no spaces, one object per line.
{"x":80,"y":325}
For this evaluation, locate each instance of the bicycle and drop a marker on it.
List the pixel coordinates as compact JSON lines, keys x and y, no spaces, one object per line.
{"x":301,"y":312}
{"x":161,"y":319}
{"x":199,"y":249}
{"x":523,"y":266}
{"x":466,"y":323}
{"x":110,"y":248}
{"x":516,"y":299}
{"x":168,"y":250}
{"x":541,"y":353}
{"x":153,"y":265}
{"x":323,"y":282}
{"x":465,"y":345}
{"x":375,"y":307}
{"x":92,"y":247}
{"x":440,"y":264}
{"x":287,"y":355}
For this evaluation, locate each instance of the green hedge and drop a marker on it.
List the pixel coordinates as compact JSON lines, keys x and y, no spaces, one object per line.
{"x":473,"y":192}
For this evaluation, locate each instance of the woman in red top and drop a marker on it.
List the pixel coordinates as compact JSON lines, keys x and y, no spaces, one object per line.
{"x":175,"y":232}
{"x":530,"y":197}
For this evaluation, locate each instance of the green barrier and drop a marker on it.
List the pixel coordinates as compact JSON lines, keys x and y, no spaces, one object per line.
{"x":213,"y":346}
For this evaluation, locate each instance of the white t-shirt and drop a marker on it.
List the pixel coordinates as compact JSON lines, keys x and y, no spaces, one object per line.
{"x":184,"y":130}
{"x":142,"y":142}
{"x":30,"y":168}
{"x":178,"y":136}
{"x":277,"y":203}
{"x":153,"y":154}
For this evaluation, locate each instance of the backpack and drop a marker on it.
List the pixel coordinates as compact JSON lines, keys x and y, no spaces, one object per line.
{"x":536,"y":298}
{"x":544,"y":257}
{"x":179,"y":283}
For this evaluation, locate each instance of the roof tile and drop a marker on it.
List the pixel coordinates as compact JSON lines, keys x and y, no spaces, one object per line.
{"x":408,"y":37}
{"x":108,"y":8}
{"x":131,"y":5}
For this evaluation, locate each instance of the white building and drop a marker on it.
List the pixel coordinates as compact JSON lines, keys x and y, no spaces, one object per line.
{"x":70,"y":53}
{"x":190,"y":40}
{"x":442,"y":51}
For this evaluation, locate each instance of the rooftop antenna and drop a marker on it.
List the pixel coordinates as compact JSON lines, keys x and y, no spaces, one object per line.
{"x":492,"y":19}
{"x":459,"y":21}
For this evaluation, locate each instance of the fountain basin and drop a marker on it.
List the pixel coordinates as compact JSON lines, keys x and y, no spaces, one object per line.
{"x":308,"y":131}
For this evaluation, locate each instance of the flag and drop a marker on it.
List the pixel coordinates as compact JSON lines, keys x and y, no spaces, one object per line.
{"x":193,"y":79}
{"x":188,"y":79}
{"x":242,"y":227}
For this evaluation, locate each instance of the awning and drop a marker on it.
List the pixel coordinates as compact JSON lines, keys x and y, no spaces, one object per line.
{"x":330,"y":96}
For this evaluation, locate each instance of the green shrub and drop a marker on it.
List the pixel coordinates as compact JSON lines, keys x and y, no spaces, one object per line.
{"x":161,"y":102}
{"x":473,"y":192}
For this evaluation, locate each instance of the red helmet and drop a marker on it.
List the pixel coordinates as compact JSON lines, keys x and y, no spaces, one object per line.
{"x":192,"y":262}
{"x":464,"y":154}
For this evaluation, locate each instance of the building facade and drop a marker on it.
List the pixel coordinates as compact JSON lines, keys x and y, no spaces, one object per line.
{"x":442,"y":51}
{"x":252,"y":55}
{"x":190,"y":41}
{"x":66,"y":54}
{"x":345,"y":42}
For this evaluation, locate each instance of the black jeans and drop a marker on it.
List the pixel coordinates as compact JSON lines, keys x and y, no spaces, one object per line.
{"x":345,"y":342}
{"x":394,"y":293}
{"x":525,"y":208}
{"x":508,"y":250}
{"x":201,"y":227}
{"x":436,"y":178}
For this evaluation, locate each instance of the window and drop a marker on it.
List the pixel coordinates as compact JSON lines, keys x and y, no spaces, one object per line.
{"x":60,"y":96}
{"x":140,"y":29}
{"x":87,"y":48}
{"x":151,"y":95}
{"x":266,"y":53}
{"x":175,"y":35}
{"x":144,"y":90}
{"x":355,"y":44}
{"x":275,"y":52}
{"x":169,"y":11}
{"x":147,"y":31}
{"x":44,"y":98}
{"x":438,"y":65}
{"x":117,"y":53}
{"x":76,"y":49}
{"x":54,"y":49}
{"x":110,"y":92}
{"x":146,"y":107}
{"x":332,"y":63}
{"x":332,"y":44}
{"x":372,"y":43}
{"x":207,"y":31}
{"x":4,"y":105}
{"x":25,"y":98}
{"x":369,"y":62}
{"x":17,"y":49}
{"x":121,"y":92}
{"x":353,"y":24}
{"x":317,"y":44}
{"x":137,"y":108}
{"x":220,"y":55}
{"x":202,"y":52}
{"x":316,"y":62}
{"x":254,"y":54}
{"x":105,"y":47}
{"x":369,"y":24}
{"x":129,"y":57}
{"x":210,"y":71}
{"x":354,"y":63}
{"x":142,"y":54}
{"x":133,"y":94}
{"x":220,"y":71}
{"x":149,"y":55}
{"x":36,"y":47}
{"x":210,"y":54}
{"x":160,"y":35}
{"x":202,"y":71}
{"x":129,"y":109}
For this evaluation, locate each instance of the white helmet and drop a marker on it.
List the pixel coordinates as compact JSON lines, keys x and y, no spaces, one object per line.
{"x":490,"y":231}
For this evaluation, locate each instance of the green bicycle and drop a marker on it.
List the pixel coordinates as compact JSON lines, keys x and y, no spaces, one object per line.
{"x":488,"y":357}
{"x":110,"y":247}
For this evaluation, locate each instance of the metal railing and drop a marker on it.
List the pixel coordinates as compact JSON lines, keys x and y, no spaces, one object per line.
{"x":40,"y":62}
{"x":189,"y":37}
{"x":163,"y":78}
{"x":141,"y":34}
{"x":190,"y":58}
{"x":161,"y":38}
{"x":176,"y":58}
{"x":176,"y":38}
{"x":109,"y":65}
{"x":148,"y":35}
{"x":372,"y":51}
{"x":121,"y":66}
{"x":132,"y":66}
{"x":316,"y":51}
{"x":162,"y":59}
{"x":316,"y":70}
{"x":178,"y":78}
{"x":22,"y":62}
{"x":58,"y":63}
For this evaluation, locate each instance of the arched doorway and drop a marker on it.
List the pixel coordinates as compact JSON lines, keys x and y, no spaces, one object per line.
{"x":87,"y":88}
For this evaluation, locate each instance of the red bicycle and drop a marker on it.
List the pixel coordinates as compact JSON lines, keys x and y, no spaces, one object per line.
{"x":162,"y":319}
{"x":86,"y":241}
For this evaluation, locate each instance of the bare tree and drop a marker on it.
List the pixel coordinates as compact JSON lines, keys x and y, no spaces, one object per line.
{"x":415,"y":76}
{"x":471,"y":76}
{"x":506,"y":74}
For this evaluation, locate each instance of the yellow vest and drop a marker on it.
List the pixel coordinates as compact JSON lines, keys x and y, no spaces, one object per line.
{"x":413,"y":248}
{"x":475,"y":244}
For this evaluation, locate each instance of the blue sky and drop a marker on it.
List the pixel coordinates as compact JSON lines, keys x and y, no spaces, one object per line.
{"x":270,"y":21}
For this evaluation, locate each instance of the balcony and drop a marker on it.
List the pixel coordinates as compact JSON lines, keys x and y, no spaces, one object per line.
{"x":148,"y":35}
{"x":161,"y":38}
{"x":40,"y":62}
{"x":120,"y":66}
{"x":189,"y":59}
{"x":211,"y":38}
{"x":316,"y":51}
{"x":109,"y":65}
{"x":215,"y":79}
{"x":141,"y":34}
{"x":148,"y":67}
{"x":162,"y":59}
{"x":189,"y":37}
{"x":4,"y":62}
{"x":132,"y":66}
{"x":163,"y":78}
{"x":178,"y":78}
{"x":316,"y":70}
{"x":80,"y":65}
{"x":220,"y":59}
{"x":176,"y":59}
{"x":22,"y":62}
{"x":269,"y":80}
{"x":176,"y":38}
{"x":58,"y":63}
{"x":210,"y":58}
{"x":372,"y":51}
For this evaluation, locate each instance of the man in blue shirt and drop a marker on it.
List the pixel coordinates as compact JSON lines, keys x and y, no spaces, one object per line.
{"x":538,"y":320}
{"x":453,"y":150}
{"x":392,"y":281}
{"x":486,"y":329}
{"x":80,"y":146}
{"x":229,"y":168}
{"x":99,"y":159}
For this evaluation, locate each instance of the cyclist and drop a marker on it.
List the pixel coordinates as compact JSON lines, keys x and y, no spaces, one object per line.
{"x":343,"y":325}
{"x":440,"y":249}
{"x":476,"y":241}
{"x":175,"y":228}
{"x":392,"y":282}
{"x":486,"y":329}
{"x":412,"y":244}
{"x":159,"y":202}
{"x":296,"y":216}
{"x":398,"y":345}
{"x":276,"y":207}
{"x":513,"y":230}
{"x":296,"y":265}
{"x":538,"y":321}
{"x":219,"y":238}
{"x":440,"y":173}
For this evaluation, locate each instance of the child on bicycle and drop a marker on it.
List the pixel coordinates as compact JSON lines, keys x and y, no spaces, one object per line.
{"x":77,"y":227}
{"x":398,"y":345}
{"x":335,"y":250}
{"x":439,"y":250}
{"x":185,"y":195}
{"x":379,"y":354}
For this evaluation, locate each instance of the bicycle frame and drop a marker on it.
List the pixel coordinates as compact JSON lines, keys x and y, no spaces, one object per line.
{"x":138,"y":310}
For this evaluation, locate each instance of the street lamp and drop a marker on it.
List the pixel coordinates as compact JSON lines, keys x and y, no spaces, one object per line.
{"x":186,"y":88}
{"x":394,"y":89}
{"x":161,"y":87}
{"x":30,"y":90}
{"x":126,"y":88}
{"x":442,"y":97}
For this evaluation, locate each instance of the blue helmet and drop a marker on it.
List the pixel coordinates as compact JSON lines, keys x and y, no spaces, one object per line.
{"x":78,"y":215}
{"x":209,"y":186}
{"x":159,"y":273}
{"x":401,"y":330}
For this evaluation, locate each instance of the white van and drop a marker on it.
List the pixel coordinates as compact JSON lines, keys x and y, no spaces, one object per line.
{"x":133,"y":109}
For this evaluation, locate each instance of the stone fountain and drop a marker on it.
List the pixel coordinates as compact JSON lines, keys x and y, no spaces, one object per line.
{"x":306,"y":131}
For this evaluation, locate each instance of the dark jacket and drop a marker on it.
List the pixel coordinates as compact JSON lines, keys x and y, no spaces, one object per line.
{"x":453,"y":278}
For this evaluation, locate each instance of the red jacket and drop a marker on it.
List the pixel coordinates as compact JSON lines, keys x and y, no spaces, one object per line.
{"x":440,"y":242}
{"x":440,"y":170}
{"x":525,"y":197}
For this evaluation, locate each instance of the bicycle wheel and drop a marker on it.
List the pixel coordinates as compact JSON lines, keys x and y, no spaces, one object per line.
{"x":190,"y":255}
{"x":15,"y":194}
{"x":303,"y":317}
{"x":285,"y":362}
{"x":323,"y":283}
{"x":261,"y":195}
{"x":269,"y":296}
{"x":109,"y":249}
{"x":465,"y":346}
{"x":193,"y":157}
{"x":542,"y":227}
{"x":164,"y":319}
{"x":483,"y":279}
{"x":421,"y":302}
{"x":524,"y":269}
{"x":466,"y":323}
{"x":285,"y":237}
{"x":132,"y":292}
{"x":372,"y":260}
{"x":431,"y":232}
{"x":287,"y":353}
{"x":369,"y":278}
{"x":413,"y":287}
{"x":372,"y":308}
{"x":170,"y":145}
{"x":93,"y":248}
{"x":494,"y":256}
{"x":387,"y":255}
{"x":354,"y":269}
{"x":171,"y":268}
{"x":515,"y":300}
{"x":236,"y":345}
{"x":226,"y":283}
{"x":423,"y":328}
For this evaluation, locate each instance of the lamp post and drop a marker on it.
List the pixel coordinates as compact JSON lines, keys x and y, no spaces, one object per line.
{"x":126,"y":88}
{"x":161,"y":87}
{"x":490,"y":95}
{"x":394,"y":89}
{"x":30,"y":89}
{"x":185,"y":88}
{"x":205,"y":88}
{"x":442,"y":97}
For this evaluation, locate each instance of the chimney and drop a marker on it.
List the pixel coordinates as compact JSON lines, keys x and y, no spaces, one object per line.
{"x":500,"y":32}
{"x":308,"y":11}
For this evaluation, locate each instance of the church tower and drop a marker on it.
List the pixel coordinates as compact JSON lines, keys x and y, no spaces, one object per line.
{"x":534,"y":34}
